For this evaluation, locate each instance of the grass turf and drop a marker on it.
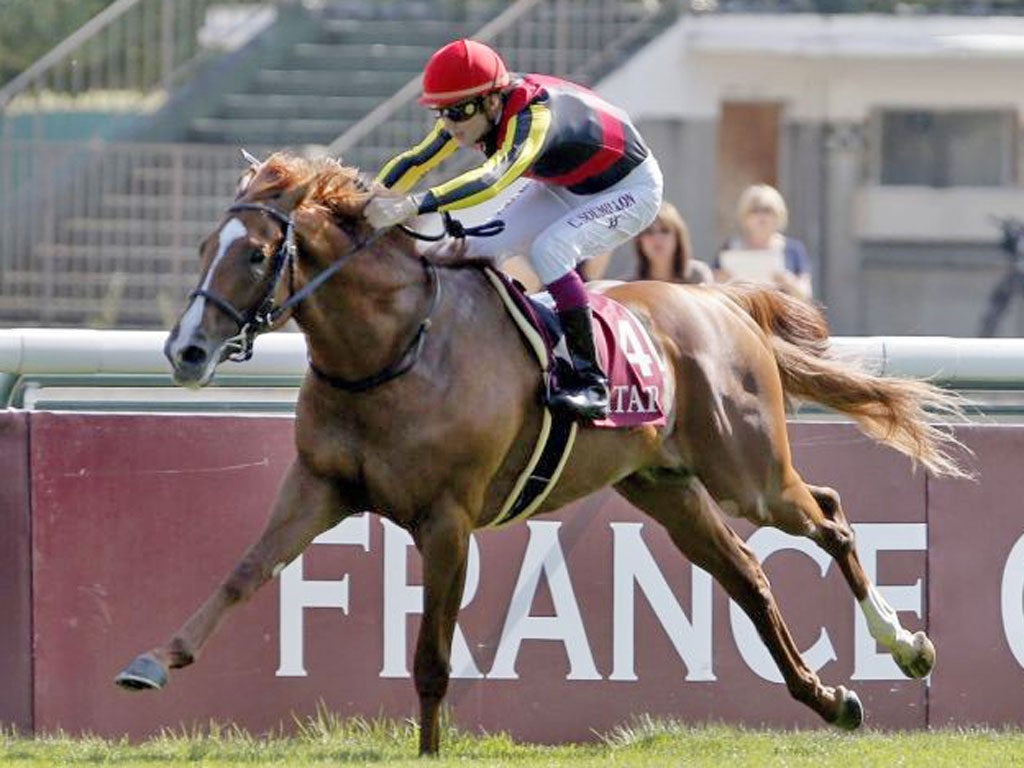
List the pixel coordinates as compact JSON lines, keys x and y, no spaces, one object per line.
{"x":643,"y":743}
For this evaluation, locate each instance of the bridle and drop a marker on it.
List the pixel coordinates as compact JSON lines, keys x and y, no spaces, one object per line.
{"x":264,"y":315}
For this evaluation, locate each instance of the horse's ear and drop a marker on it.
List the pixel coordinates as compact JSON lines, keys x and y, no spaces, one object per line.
{"x":249,"y":174}
{"x":250,"y":158}
{"x":291,"y":198}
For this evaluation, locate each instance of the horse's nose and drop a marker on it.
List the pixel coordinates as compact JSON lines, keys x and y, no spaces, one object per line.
{"x":193,"y":354}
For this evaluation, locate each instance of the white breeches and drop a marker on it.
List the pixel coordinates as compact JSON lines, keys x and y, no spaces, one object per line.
{"x":556,"y":229}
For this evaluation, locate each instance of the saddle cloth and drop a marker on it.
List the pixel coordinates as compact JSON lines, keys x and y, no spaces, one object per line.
{"x":633,"y":365}
{"x":635,"y":369}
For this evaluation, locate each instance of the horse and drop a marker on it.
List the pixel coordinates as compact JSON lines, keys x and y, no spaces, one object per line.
{"x":422,"y":404}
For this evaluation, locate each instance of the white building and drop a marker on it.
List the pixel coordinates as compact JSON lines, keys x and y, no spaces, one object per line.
{"x":892,"y":138}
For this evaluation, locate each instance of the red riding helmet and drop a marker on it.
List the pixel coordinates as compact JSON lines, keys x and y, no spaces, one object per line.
{"x":461,"y":70}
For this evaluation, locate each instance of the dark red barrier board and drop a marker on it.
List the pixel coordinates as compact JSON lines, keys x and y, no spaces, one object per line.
{"x":571,"y":623}
{"x":15,"y":574}
{"x":976,"y":582}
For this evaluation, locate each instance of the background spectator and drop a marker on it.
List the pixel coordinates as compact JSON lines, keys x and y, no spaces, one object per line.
{"x":760,"y":251}
{"x":664,"y":251}
{"x":519,"y":268}
{"x":594,"y":267}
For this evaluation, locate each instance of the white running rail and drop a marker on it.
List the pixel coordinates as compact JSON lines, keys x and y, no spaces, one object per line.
{"x":952,"y":362}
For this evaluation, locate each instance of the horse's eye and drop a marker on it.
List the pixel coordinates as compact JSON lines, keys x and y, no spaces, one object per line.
{"x":257,"y":256}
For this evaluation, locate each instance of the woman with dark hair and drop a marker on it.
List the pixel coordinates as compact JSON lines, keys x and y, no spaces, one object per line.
{"x":664,"y":252}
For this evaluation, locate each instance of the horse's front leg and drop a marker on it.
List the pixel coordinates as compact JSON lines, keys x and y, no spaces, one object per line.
{"x":443,"y":541}
{"x":306,"y":506}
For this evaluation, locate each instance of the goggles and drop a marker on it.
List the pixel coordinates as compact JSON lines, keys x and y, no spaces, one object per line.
{"x":460,"y":113}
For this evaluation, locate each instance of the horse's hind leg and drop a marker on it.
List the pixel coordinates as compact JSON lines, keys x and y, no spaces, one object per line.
{"x":695,"y":524}
{"x":306,"y":506}
{"x":913,"y":653}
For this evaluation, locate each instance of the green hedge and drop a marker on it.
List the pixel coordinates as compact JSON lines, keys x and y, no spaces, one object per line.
{"x":30,"y":28}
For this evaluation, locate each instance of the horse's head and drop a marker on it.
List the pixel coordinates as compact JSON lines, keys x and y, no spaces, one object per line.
{"x":242,"y":263}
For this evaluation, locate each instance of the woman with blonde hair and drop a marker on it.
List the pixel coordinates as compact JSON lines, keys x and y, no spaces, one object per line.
{"x":664,"y":251}
{"x":762,"y":217}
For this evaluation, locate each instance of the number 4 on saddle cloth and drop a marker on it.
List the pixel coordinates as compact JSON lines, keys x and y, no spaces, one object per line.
{"x":636,"y":383}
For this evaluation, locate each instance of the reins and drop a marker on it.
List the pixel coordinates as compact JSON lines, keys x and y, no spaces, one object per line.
{"x":410,"y":355}
{"x":456,"y":229}
{"x":264,"y":315}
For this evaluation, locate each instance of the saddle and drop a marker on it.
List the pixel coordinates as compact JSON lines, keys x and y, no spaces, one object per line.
{"x":635,"y":369}
{"x":636,"y":380}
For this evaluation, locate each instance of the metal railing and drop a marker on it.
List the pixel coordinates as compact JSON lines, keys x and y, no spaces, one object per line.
{"x":893,"y":7}
{"x":123,"y":59}
{"x":106,"y":232}
{"x":82,"y":237}
{"x":70,"y":369}
{"x":576,"y":39}
{"x":109,"y":235}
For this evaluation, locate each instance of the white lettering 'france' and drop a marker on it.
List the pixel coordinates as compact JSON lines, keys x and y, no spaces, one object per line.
{"x":403,"y":598}
{"x":878,"y":619}
{"x":1011,"y":591}
{"x":544,"y":558}
{"x":299,"y":594}
{"x":765,"y":542}
{"x":193,"y":317}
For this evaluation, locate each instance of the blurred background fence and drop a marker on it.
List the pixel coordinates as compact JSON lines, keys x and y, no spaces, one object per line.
{"x":100,"y":224}
{"x":119,"y":146}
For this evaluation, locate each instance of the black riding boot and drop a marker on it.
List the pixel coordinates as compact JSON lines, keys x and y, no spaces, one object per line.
{"x":585,"y":394}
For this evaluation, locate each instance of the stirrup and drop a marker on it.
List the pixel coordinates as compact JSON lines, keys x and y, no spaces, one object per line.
{"x":589,"y":402}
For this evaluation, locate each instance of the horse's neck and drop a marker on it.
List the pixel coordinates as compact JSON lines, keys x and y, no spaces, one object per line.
{"x":360,"y":321}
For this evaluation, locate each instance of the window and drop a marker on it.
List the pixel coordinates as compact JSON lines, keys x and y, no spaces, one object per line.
{"x":948,"y":149}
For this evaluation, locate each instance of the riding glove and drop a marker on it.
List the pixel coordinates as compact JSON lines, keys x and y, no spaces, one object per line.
{"x":384,"y":212}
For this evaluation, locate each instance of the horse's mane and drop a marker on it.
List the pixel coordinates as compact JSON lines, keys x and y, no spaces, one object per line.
{"x":342,"y":191}
{"x":335,"y":187}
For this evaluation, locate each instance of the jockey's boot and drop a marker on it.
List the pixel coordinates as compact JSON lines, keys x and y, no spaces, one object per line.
{"x":585,"y":395}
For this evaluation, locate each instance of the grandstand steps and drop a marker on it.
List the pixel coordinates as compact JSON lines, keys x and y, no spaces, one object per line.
{"x":132,"y":311}
{"x":33,"y":280}
{"x":357,"y":57}
{"x":300,"y":132}
{"x":142,"y":258}
{"x":326,"y":82}
{"x":266,"y":130}
{"x":195,"y":207}
{"x":361,"y":31}
{"x":161,"y":180}
{"x":141,"y":231}
{"x":383,"y":57}
{"x":340,"y":108}
{"x":131,"y":256}
{"x":121,"y":237}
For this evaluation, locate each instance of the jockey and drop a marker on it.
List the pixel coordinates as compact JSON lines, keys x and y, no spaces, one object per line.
{"x":592,"y":184}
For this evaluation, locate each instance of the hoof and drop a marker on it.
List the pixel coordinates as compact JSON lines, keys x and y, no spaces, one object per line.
{"x":851,"y":713}
{"x":917,"y":658}
{"x":144,"y":674}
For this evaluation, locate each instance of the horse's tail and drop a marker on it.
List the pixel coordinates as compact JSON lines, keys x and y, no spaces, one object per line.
{"x":890,"y":409}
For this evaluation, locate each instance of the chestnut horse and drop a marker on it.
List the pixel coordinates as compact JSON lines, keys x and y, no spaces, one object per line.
{"x":422,"y":404}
